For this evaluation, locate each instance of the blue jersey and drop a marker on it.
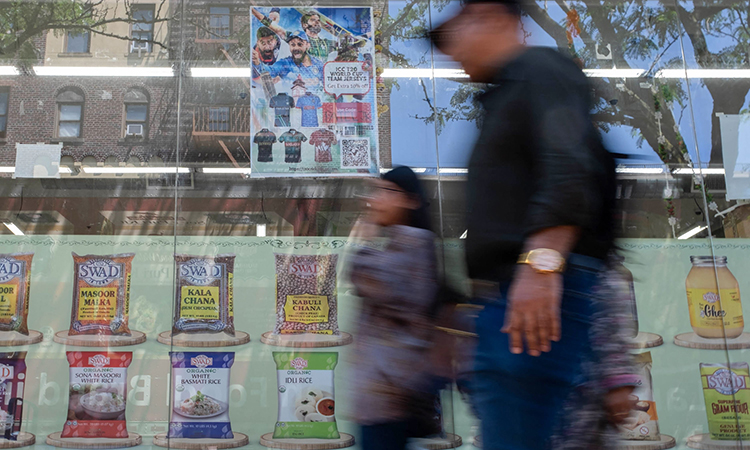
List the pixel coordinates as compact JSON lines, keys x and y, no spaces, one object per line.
{"x":284,"y":67}
{"x":309,"y":103}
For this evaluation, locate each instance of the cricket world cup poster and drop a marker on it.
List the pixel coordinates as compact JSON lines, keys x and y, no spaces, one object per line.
{"x":313,"y":97}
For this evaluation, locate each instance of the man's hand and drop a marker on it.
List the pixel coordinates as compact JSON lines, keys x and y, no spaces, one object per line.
{"x":533,"y":313}
{"x":256,"y":57}
{"x":619,"y":403}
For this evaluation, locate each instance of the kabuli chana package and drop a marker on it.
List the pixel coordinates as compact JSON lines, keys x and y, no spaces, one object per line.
{"x":101,"y":294}
{"x":643,"y":423}
{"x":306,"y":395}
{"x":12,"y":381}
{"x":203,"y":298}
{"x":15,"y":281}
{"x":201,"y":395}
{"x":727,"y":397}
{"x":98,"y":390}
{"x":306,"y":294}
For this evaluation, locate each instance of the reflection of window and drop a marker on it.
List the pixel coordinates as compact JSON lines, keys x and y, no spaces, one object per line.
{"x":4,"y":96}
{"x":219,"y":22}
{"x":136,"y":113}
{"x":78,"y":42}
{"x":218,"y":119}
{"x":69,"y":113}
{"x":142,"y":31}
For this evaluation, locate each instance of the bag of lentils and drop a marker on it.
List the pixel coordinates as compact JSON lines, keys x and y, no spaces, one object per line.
{"x":15,"y":282}
{"x":203,"y":298}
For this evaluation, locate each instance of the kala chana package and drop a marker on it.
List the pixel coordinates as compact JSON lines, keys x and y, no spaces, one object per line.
{"x":307,"y":404}
{"x":12,"y":381}
{"x":643,"y":423}
{"x":200,"y":397}
{"x":15,"y":281}
{"x":98,"y":391}
{"x":101,"y":294}
{"x":203,"y":298}
{"x":306,"y":294}
{"x":727,"y":396}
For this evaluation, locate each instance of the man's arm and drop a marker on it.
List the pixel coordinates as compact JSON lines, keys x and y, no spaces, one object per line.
{"x":265,"y":21}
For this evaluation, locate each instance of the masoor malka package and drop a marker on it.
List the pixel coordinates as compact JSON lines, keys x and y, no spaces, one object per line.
{"x":12,"y":381}
{"x":98,"y":390}
{"x":727,"y":397}
{"x":203,"y":298}
{"x":201,"y":395}
{"x":643,"y":423}
{"x":306,"y":294}
{"x":101,"y":294}
{"x":306,"y":395}
{"x":15,"y":281}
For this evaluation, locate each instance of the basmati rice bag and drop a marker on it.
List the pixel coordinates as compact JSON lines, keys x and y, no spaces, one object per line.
{"x":200,"y":400}
{"x":203,"y":298}
{"x":101,"y":294}
{"x":15,"y":281}
{"x":12,"y":381}
{"x":98,"y":391}
{"x":306,"y":395}
{"x":726,"y":392}
{"x":306,"y":294}
{"x":643,"y":423}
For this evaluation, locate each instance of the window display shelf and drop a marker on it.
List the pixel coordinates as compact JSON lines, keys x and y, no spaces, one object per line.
{"x":346,"y":440}
{"x":97,"y":340}
{"x":307,"y":340}
{"x":704,"y":442}
{"x":15,"y":339}
{"x":665,"y":442}
{"x":132,"y":440}
{"x":646,"y":340}
{"x":203,"y":339}
{"x":239,"y":440}
{"x":449,"y":441}
{"x":24,"y":440}
{"x":692,"y":340}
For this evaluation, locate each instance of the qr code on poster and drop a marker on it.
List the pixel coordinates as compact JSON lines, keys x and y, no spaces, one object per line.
{"x":355,"y":153}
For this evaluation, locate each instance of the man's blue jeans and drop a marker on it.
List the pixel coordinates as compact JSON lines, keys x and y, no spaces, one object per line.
{"x":520,"y":398}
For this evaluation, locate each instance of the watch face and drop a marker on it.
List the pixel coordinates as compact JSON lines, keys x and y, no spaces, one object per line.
{"x":545,"y":260}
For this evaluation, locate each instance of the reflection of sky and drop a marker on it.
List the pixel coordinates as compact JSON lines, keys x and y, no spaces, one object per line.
{"x":413,"y":141}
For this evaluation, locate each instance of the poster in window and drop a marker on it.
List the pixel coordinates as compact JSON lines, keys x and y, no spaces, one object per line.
{"x":313,"y":106}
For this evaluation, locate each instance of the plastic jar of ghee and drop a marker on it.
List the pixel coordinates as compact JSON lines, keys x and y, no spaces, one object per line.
{"x":714,"y":311}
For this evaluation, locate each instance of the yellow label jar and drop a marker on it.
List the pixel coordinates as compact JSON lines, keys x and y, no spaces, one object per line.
{"x":715,"y":311}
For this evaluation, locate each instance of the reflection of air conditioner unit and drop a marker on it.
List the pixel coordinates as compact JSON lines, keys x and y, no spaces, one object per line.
{"x":139,"y":46}
{"x":134,"y":130}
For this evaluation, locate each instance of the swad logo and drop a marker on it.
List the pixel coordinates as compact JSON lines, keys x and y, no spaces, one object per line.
{"x":711,"y":297}
{"x":304,"y":267}
{"x":99,"y":361}
{"x":298,"y":363}
{"x":725,"y":382}
{"x":99,"y":272}
{"x":201,"y":361}
{"x":9,"y":269}
{"x":200,"y":272}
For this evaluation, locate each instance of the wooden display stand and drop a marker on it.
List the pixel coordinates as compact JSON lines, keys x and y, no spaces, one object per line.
{"x":692,"y":340}
{"x":449,"y":441}
{"x":99,"y":340}
{"x":203,"y":339}
{"x":239,"y":440}
{"x":704,"y":442}
{"x":346,"y":440}
{"x":306,"y":340}
{"x":665,"y":442}
{"x":646,"y":340}
{"x":24,"y":439}
{"x":55,"y":440}
{"x":15,"y":339}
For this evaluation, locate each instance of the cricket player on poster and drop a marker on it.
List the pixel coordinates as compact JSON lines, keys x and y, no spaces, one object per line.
{"x":313,"y":100}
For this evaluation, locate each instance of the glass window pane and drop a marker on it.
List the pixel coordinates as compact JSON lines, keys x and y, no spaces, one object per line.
{"x":136,"y":113}
{"x":78,"y":42}
{"x":3,"y":121}
{"x":143,"y":15}
{"x":70,"y":129}
{"x":70,"y":112}
{"x":3,"y":103}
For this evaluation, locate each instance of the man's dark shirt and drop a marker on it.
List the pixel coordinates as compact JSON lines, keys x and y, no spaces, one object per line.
{"x":538,"y":163}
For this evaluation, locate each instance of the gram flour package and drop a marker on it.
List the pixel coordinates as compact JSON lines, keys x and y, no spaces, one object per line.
{"x":203,"y":298}
{"x":101,"y":294}
{"x":200,"y":399}
{"x":98,"y":391}
{"x":15,"y":281}
{"x":727,"y":396}
{"x":643,"y":423}
{"x":12,"y":381}
{"x":306,"y":395}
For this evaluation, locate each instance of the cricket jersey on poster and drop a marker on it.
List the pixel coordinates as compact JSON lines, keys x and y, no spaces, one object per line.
{"x":322,"y":140}
{"x":282,"y":104}
{"x":292,"y":140}
{"x":309,"y":105}
{"x":265,"y":140}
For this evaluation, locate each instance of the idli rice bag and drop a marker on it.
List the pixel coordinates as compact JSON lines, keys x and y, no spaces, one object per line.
{"x":306,"y":294}
{"x":98,"y":391}
{"x":643,"y":423}
{"x":203,"y":298}
{"x":12,"y":381}
{"x":727,"y":397}
{"x":200,"y":397}
{"x":101,"y":294}
{"x":15,"y":281}
{"x":306,"y":395}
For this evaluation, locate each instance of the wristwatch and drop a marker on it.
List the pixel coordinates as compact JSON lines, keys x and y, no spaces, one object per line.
{"x":543,"y":260}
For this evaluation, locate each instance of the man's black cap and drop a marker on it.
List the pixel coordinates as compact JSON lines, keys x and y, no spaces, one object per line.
{"x":445,"y":33}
